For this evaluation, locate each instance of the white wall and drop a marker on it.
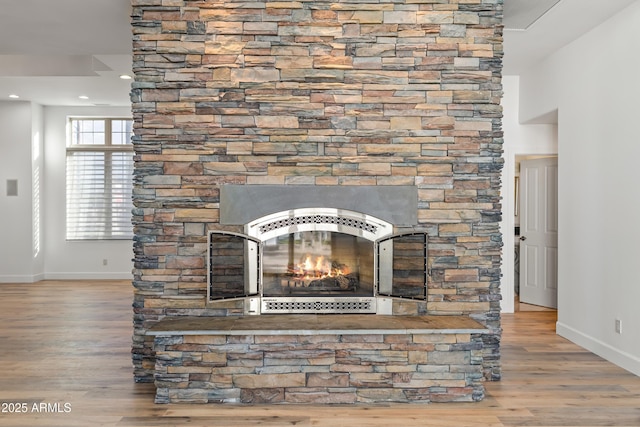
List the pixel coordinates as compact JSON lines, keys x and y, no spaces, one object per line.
{"x":75,"y":259}
{"x":16,"y":239}
{"x":596,"y":87}
{"x":32,"y":225}
{"x":37,"y":190}
{"x":519,"y":139}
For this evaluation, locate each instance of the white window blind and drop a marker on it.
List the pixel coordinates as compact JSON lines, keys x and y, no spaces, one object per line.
{"x":99,"y":179}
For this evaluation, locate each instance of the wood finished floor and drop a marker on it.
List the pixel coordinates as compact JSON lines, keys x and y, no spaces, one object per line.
{"x":69,"y":343}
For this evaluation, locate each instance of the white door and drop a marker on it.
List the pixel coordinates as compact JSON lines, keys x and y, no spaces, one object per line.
{"x":539,"y":232}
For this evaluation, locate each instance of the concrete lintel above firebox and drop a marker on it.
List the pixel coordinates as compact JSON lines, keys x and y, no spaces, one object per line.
{"x":241,"y":204}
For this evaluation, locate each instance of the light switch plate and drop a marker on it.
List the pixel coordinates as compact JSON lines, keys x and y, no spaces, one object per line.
{"x":12,"y":187}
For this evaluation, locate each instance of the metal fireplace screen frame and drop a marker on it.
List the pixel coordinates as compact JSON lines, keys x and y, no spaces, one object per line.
{"x":235,"y":262}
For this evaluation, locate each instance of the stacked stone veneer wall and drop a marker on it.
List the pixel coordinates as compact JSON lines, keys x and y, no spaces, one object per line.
{"x":341,"y":93}
{"x":372,"y":368}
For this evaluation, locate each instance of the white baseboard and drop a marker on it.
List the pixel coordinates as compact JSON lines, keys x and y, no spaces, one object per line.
{"x":21,"y":278}
{"x":89,"y":276}
{"x":625,"y":360}
{"x":65,"y":276}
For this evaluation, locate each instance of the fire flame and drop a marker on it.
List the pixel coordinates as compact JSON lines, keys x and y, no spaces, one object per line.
{"x":317,"y":268}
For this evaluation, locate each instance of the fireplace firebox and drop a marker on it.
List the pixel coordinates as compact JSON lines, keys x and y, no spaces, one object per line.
{"x":317,"y":260}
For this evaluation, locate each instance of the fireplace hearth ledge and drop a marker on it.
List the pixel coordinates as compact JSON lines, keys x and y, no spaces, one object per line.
{"x":311,"y":324}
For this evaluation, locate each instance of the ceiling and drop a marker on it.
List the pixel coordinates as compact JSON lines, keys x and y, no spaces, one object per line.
{"x":52,"y":52}
{"x":534,"y":29}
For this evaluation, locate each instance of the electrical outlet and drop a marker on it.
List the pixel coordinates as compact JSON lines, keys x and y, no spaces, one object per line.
{"x":105,"y":261}
{"x":618,"y":326}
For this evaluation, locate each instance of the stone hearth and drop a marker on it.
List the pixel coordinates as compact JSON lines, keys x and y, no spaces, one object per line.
{"x":318,"y":359}
{"x":305,"y":94}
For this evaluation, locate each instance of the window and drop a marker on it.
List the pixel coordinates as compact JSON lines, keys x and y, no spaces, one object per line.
{"x":99,"y":179}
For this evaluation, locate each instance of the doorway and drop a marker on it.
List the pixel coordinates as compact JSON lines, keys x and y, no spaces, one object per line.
{"x":536,"y":232}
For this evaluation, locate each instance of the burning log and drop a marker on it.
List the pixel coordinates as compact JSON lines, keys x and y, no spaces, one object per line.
{"x":346,"y":282}
{"x":320,"y":274}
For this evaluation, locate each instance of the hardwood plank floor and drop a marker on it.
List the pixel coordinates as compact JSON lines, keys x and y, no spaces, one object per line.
{"x":65,"y":348}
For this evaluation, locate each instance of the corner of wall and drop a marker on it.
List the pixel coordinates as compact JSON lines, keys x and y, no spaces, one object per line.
{"x":625,"y":360}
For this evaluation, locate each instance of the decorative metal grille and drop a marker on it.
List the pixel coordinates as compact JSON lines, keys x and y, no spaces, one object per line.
{"x":318,"y":306}
{"x":318,"y":219}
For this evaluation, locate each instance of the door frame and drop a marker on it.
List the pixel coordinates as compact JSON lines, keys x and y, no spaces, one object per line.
{"x":544,"y":296}
{"x":507,"y":285}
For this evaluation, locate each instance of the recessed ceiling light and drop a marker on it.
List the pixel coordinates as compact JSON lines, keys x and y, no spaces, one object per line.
{"x":125,"y":76}
{"x":14,"y":96}
{"x":83,"y":97}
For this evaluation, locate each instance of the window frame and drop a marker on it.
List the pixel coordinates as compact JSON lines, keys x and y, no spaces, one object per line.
{"x":108,"y":148}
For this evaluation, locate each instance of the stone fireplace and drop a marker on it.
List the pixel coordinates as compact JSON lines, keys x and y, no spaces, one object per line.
{"x":317,"y":122}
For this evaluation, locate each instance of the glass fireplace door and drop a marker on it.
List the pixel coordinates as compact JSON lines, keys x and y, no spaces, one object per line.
{"x":233,"y":266}
{"x":402,"y":266}
{"x":317,"y":264}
